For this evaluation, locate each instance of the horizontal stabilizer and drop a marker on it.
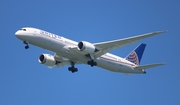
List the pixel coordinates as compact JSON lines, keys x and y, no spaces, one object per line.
{"x":143,"y":67}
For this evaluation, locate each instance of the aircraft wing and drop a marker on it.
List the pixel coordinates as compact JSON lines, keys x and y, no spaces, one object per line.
{"x":105,"y":47}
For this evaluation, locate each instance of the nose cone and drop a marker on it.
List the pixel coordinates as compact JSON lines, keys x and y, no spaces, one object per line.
{"x":20,"y":35}
{"x":17,"y":34}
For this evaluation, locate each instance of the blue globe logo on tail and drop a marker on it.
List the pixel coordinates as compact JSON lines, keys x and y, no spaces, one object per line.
{"x":136,"y":55}
{"x":133,"y":58}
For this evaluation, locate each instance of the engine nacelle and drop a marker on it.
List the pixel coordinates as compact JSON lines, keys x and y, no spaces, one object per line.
{"x":47,"y":59}
{"x":86,"y":46}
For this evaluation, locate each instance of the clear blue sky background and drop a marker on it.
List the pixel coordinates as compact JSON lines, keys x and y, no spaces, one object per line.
{"x":23,"y":81}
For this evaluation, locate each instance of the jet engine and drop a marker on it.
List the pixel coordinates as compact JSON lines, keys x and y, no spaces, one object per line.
{"x":86,"y":47}
{"x":47,"y":59}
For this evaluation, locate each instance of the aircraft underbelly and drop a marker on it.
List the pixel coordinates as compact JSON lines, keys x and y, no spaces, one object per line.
{"x":115,"y":67}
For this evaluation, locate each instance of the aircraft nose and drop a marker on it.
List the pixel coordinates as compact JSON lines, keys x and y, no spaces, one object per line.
{"x":17,"y":33}
{"x":20,"y":35}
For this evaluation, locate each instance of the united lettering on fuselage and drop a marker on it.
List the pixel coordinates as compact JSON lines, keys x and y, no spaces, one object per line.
{"x":54,"y":36}
{"x":50,"y":34}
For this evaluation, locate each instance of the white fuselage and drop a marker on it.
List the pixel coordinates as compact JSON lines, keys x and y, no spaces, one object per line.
{"x":61,"y":46}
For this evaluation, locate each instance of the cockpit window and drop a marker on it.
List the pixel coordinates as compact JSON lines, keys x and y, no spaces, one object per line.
{"x":23,"y":29}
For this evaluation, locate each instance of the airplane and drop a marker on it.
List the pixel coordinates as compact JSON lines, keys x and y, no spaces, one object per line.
{"x":69,"y":52}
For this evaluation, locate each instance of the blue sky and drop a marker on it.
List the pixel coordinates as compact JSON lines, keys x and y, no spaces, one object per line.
{"x":23,"y":81}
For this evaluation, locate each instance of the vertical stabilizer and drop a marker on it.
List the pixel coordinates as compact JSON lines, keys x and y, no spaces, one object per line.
{"x":136,"y":55}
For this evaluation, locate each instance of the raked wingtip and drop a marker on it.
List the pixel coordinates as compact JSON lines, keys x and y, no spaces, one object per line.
{"x":164,"y":31}
{"x":160,"y":32}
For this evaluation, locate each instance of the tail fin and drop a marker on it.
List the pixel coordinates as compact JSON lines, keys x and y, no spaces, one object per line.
{"x":136,"y":55}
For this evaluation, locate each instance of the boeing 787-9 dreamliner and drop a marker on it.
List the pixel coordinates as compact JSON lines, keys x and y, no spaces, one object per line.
{"x":69,"y":52}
